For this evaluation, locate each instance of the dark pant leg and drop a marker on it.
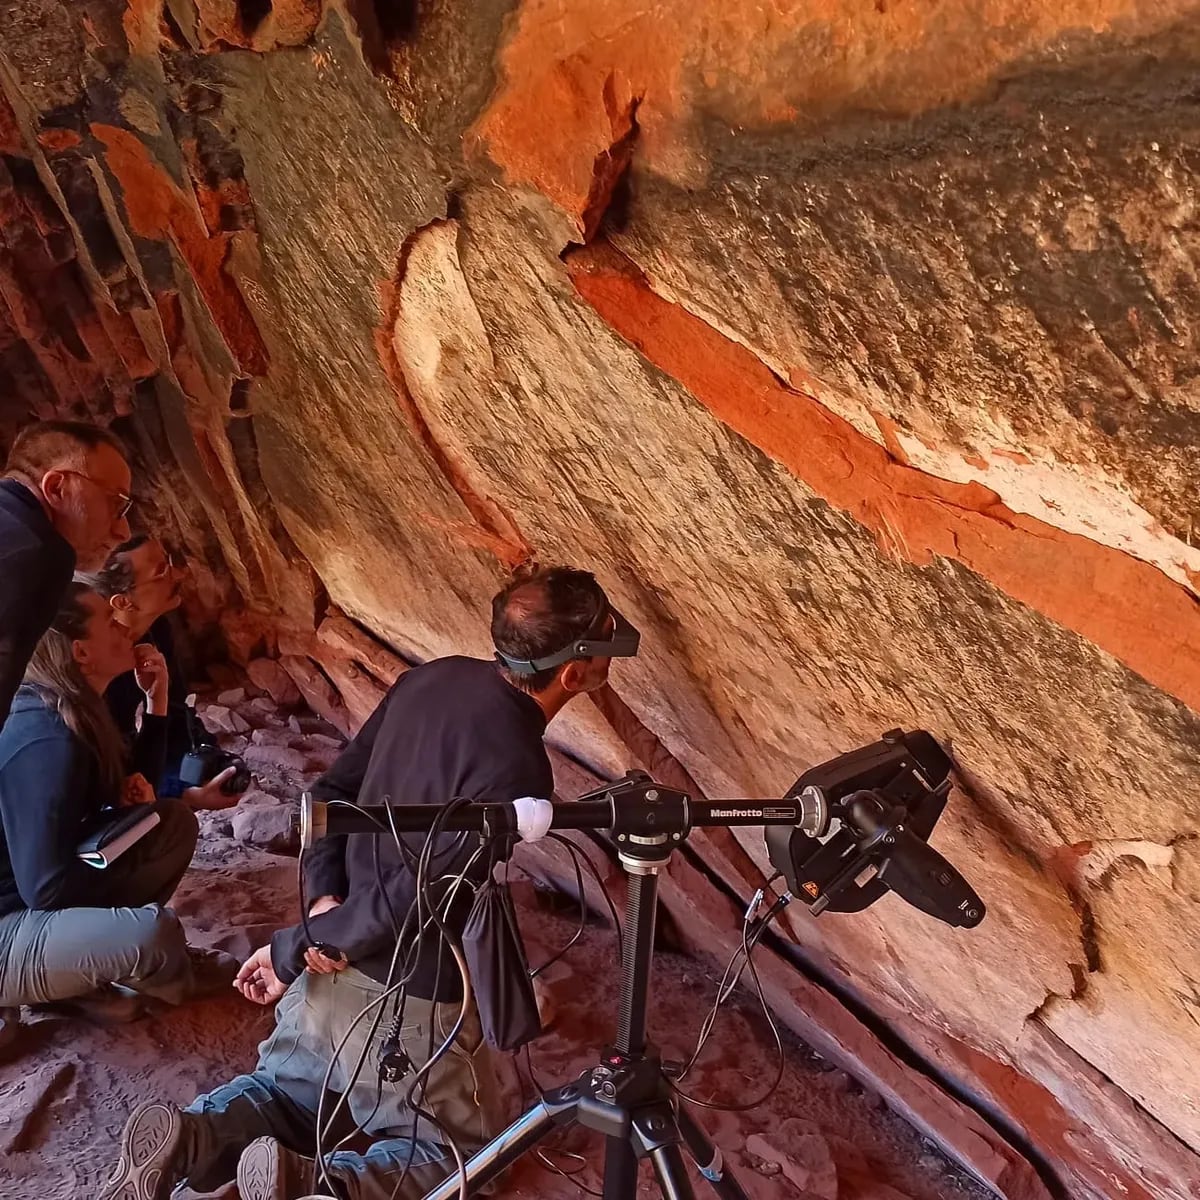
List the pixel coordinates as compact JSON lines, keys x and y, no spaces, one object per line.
{"x":150,"y":870}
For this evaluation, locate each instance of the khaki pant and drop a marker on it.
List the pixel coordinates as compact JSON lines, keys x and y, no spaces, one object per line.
{"x":127,"y":938}
{"x":281,"y":1097}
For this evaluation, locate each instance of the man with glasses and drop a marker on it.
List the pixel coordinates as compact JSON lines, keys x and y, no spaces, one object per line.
{"x":64,"y":498}
{"x":142,"y":583}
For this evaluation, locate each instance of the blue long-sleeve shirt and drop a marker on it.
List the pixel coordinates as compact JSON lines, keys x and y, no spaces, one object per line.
{"x":124,"y":697}
{"x":52,"y":796}
{"x":36,"y":565}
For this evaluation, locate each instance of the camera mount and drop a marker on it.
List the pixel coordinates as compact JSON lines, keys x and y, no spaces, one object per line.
{"x":847,"y":832}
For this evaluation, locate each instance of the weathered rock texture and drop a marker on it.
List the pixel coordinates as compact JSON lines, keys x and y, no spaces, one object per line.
{"x":854,"y":343}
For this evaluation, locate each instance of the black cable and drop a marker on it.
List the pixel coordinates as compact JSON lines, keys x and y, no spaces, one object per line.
{"x":378,"y":1002}
{"x":447,"y":939}
{"x":320,"y":1167}
{"x":582,"y":922}
{"x":578,"y":857}
{"x":747,"y":950}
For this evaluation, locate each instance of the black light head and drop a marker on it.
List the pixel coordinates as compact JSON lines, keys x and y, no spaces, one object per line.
{"x":866,"y":820}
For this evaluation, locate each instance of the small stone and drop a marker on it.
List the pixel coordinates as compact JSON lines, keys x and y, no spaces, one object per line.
{"x":239,"y":723}
{"x":267,"y":674}
{"x":321,"y":741}
{"x":216,"y":718}
{"x":811,"y":1169}
{"x":256,"y":798}
{"x":279,"y":758}
{"x":273,"y":827}
{"x":272,"y":737}
{"x":232,"y":697}
{"x":764,"y":1166}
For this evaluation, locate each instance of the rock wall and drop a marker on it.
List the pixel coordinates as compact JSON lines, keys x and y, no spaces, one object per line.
{"x":854,"y":343}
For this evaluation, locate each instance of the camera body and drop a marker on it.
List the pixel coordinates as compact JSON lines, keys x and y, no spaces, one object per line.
{"x":204,"y":762}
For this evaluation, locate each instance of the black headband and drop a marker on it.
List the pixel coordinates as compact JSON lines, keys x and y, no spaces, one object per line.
{"x":621,"y":643}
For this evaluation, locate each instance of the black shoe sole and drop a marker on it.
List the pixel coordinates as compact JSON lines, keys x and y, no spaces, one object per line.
{"x":148,"y":1144}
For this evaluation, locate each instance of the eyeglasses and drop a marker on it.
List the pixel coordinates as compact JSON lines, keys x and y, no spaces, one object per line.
{"x":123,"y":501}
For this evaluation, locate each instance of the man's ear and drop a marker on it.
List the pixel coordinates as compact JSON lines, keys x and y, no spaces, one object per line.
{"x":571,"y":677}
{"x":53,"y":487}
{"x":121,"y":602}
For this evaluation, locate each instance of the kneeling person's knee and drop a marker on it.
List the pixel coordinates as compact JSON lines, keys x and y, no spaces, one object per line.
{"x":179,"y":829}
{"x":158,"y":938}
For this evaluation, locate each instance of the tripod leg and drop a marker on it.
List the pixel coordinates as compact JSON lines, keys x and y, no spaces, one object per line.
{"x":620,"y":1169}
{"x":708,"y":1157}
{"x":499,"y":1154}
{"x":672,"y":1174}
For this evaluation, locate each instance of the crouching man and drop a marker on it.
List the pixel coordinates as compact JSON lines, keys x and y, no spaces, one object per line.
{"x":455,"y":727}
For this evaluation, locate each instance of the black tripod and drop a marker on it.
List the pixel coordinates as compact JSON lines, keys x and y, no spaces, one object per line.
{"x":626,"y":1096}
{"x":886,"y":797}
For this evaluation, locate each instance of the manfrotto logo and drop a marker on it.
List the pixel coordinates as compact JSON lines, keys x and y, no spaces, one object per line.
{"x":737,"y":812}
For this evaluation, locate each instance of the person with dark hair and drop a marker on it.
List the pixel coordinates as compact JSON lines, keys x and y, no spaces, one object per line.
{"x":142,"y":583}
{"x":63,"y":503}
{"x":452,"y":728}
{"x":95,"y":942}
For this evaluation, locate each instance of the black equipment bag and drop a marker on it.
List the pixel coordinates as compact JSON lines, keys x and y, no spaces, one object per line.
{"x":499,"y":970}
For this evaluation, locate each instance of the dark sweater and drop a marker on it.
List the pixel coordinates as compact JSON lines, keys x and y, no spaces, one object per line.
{"x":451,"y":728}
{"x":36,"y":565}
{"x":51,"y":798}
{"x":124,"y":698}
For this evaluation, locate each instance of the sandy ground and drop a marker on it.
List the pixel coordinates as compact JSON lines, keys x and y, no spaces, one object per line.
{"x":67,"y":1087}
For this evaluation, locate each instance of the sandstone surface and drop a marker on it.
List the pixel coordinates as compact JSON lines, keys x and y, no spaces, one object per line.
{"x":853,"y":343}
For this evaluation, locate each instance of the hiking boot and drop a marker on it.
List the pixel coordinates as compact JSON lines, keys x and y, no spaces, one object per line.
{"x":149,"y":1165}
{"x":269,"y":1171}
{"x":213,"y":972}
{"x":107,"y":1006}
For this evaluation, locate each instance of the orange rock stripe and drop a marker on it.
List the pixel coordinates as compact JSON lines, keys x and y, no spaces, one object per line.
{"x":158,"y":208}
{"x":1119,"y":603}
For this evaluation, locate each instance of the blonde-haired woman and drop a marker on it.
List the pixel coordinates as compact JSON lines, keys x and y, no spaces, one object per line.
{"x":98,"y":940}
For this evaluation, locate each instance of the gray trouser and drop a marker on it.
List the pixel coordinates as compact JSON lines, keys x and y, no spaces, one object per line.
{"x":280,"y":1099}
{"x":133,"y":940}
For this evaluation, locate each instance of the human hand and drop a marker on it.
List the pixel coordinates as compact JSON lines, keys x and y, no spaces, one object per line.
{"x":150,"y":672}
{"x":209,"y":795}
{"x":137,"y":790}
{"x":322,"y":905}
{"x":319,"y":964}
{"x":257,"y":980}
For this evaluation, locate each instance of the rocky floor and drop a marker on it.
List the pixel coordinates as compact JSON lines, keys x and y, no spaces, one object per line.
{"x":67,"y":1087}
